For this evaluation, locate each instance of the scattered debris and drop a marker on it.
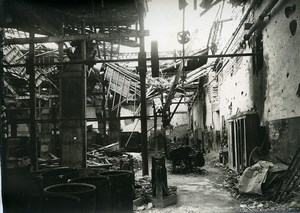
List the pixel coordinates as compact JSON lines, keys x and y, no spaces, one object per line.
{"x":291,"y":180}
{"x":253,"y":177}
{"x":149,"y":206}
{"x":185,"y":159}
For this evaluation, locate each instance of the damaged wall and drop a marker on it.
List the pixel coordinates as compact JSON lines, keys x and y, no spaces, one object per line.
{"x":277,"y":84}
{"x":235,"y":90}
{"x":180,"y":117}
{"x":281,"y":57}
{"x":268,"y":85}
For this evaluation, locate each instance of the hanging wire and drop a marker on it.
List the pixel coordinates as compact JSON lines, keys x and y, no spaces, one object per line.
{"x":183,"y":46}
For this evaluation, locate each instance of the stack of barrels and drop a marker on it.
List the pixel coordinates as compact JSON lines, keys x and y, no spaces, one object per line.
{"x":64,"y":190}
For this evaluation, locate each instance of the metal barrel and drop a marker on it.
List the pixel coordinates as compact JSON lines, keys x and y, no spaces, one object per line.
{"x":103,"y":194}
{"x":57,"y":176}
{"x":69,"y":198}
{"x":122,"y":190}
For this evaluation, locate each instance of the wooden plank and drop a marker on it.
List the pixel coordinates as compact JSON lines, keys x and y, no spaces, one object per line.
{"x":230,"y":142}
{"x":119,"y":103}
{"x":109,"y":86}
{"x":247,"y":163}
{"x":114,"y":98}
{"x":235,"y":145}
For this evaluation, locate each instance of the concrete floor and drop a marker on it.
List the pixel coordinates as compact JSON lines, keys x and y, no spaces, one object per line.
{"x":199,"y":192}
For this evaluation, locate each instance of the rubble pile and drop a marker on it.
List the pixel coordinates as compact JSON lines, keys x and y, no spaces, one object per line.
{"x":143,"y":188}
{"x":108,"y":157}
{"x":267,"y":200}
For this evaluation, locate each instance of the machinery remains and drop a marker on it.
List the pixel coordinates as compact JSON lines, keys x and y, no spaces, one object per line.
{"x":186,"y":159}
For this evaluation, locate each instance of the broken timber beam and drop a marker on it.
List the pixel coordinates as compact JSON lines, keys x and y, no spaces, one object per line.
{"x":176,"y":107}
{"x":173,"y":88}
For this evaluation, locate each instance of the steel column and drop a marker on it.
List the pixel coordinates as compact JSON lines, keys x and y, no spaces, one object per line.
{"x":32,"y":91}
{"x":142,"y":72}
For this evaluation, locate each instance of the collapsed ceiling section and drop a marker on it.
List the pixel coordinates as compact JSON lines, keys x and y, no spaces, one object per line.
{"x":107,"y":24}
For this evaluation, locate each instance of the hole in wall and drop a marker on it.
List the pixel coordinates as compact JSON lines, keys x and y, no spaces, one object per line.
{"x":293,"y":27}
{"x":258,"y":60}
{"x":287,"y":75}
{"x":298,"y":91}
{"x":288,"y":11}
{"x":242,"y":93}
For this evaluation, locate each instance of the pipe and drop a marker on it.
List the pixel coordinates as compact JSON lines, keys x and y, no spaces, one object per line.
{"x":253,"y":3}
{"x":260,"y":19}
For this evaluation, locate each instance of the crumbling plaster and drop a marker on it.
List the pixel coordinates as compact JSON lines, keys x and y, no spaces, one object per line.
{"x":282,"y":67}
{"x":235,"y":89}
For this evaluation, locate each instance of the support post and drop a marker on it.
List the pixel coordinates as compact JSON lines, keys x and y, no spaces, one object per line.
{"x":155,"y":129}
{"x":142,"y":72}
{"x":72,"y":108}
{"x":104,"y":109}
{"x":2,"y":105}
{"x":32,"y":91}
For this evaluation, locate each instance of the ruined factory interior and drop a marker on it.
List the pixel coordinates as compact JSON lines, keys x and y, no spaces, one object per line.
{"x":150,"y":106}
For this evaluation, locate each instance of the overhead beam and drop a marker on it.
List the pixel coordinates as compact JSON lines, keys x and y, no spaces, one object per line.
{"x":23,"y":121}
{"x":85,"y":37}
{"x":135,"y":59}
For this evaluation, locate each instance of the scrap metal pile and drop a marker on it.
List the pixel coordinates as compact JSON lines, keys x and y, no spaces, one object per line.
{"x":110,"y":157}
{"x":185,"y":159}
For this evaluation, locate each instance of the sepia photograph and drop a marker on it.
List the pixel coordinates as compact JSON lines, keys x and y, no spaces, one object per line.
{"x":149,"y":106}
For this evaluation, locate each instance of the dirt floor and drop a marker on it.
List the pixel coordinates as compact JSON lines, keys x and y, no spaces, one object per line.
{"x":211,"y":191}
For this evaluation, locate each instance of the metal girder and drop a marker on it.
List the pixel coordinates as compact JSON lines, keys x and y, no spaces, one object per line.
{"x":135,"y":59}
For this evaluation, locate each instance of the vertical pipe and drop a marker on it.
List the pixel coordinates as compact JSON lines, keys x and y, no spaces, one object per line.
{"x":32,"y":91}
{"x":83,"y":121}
{"x":142,"y":72}
{"x":183,"y":29}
